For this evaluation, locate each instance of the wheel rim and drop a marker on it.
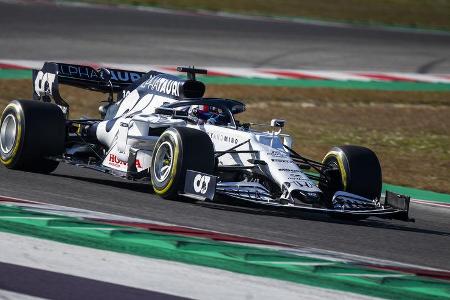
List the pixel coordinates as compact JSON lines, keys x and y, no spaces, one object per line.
{"x":163,"y":162}
{"x":8,"y":133}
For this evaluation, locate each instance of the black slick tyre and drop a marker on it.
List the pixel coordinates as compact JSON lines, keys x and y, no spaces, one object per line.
{"x":31,"y":131}
{"x":359,"y":172}
{"x":177,"y":150}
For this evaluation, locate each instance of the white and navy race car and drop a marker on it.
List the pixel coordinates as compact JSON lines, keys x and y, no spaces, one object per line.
{"x":161,"y":129}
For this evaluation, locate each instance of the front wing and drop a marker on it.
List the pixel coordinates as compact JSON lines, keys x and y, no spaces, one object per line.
{"x":345,"y":205}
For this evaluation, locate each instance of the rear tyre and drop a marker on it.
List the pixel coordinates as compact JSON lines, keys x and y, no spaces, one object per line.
{"x":31,"y":131}
{"x":177,"y":150}
{"x":359,"y":172}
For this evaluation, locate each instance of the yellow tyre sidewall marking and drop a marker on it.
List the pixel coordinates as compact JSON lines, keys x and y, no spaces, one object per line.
{"x":14,"y":151}
{"x":338,"y":155}
{"x":173,"y":170}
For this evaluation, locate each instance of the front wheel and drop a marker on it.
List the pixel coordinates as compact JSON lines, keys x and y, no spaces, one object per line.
{"x":352,"y":169}
{"x":177,"y":150}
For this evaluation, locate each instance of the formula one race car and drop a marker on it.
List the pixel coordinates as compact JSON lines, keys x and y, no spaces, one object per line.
{"x":161,"y":129}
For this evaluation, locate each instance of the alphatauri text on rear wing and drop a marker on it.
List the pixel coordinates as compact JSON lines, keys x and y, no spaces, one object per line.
{"x":107,"y":80}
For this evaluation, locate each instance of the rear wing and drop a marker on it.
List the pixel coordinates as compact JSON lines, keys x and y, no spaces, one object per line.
{"x":47,"y":80}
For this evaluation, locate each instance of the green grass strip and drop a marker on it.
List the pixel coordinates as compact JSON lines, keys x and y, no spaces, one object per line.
{"x":298,"y":83}
{"x":15,"y":74}
{"x":360,"y":85}
{"x":417,"y":193}
{"x":236,"y":258}
{"x":412,"y":192}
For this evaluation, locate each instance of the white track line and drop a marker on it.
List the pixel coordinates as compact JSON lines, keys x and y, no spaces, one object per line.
{"x":431,"y":203}
{"x":332,"y":256}
{"x":152,"y":274}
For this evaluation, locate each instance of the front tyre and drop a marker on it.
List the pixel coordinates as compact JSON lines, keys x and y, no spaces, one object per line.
{"x":358,"y":172}
{"x":177,"y":150}
{"x":31,"y":131}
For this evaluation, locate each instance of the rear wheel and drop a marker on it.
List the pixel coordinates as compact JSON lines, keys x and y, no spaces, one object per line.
{"x":177,"y":150}
{"x":31,"y":131}
{"x":358,"y":171}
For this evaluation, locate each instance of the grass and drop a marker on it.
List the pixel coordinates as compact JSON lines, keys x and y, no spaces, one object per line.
{"x":410,"y":13}
{"x":409,"y":131}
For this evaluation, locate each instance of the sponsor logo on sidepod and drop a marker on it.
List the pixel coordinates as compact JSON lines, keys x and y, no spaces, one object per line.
{"x":223,"y":137}
{"x":116,"y":162}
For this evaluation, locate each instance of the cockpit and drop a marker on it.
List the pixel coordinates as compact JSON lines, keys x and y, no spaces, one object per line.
{"x":214,"y":111}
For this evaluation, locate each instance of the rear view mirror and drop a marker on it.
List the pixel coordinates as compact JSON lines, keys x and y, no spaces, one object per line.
{"x":277,"y":123}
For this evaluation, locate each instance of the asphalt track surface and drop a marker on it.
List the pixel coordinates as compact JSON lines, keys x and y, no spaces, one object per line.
{"x":48,"y":32}
{"x":53,"y":33}
{"x":425,"y":242}
{"x":53,"y":285}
